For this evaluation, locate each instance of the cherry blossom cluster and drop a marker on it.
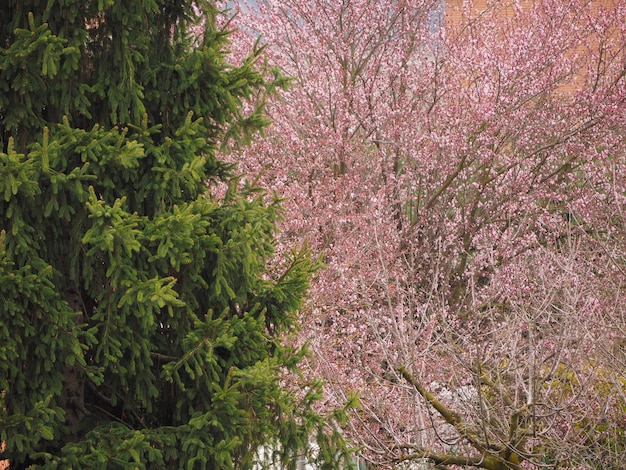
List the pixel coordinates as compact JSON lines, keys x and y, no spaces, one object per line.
{"x":461,"y":172}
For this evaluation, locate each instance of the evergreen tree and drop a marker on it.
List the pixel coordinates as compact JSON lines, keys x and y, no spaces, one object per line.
{"x":140,"y":325}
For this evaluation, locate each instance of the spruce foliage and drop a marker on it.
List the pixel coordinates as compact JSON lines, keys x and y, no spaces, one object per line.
{"x":139,"y":324}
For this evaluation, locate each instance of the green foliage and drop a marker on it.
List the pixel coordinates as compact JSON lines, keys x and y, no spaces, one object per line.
{"x":139,"y":325}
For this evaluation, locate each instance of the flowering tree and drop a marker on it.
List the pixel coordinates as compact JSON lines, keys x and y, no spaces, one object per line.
{"x":462,"y":176}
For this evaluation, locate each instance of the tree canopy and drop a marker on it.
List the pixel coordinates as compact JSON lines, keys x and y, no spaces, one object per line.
{"x":460,"y":167}
{"x":140,"y":316}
